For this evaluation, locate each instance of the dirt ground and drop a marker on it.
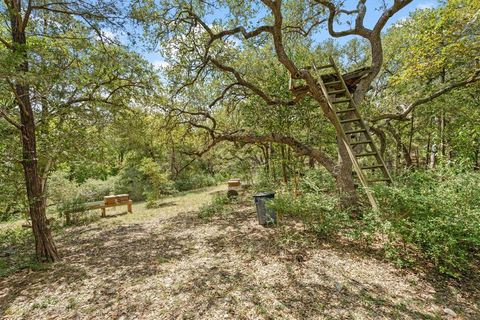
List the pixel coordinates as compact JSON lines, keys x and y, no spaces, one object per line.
{"x":167,"y":263}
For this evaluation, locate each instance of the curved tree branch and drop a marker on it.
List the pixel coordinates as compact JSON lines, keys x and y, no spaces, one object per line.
{"x":241,"y":81}
{"x":276,"y":8}
{"x":4,"y":114}
{"x":359,"y":28}
{"x":403,"y":115}
{"x":372,"y":35}
{"x":296,"y":145}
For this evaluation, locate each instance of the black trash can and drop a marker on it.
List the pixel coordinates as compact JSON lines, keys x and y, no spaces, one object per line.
{"x":265,"y":215}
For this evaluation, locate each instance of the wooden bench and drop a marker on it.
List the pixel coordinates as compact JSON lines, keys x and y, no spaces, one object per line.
{"x":111,"y":201}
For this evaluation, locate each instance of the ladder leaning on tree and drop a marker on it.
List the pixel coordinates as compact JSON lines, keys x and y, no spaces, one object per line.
{"x":367,"y":161}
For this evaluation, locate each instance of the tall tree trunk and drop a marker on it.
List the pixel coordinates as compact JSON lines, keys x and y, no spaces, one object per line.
{"x":442,"y":134}
{"x":173,"y":159}
{"x":266,"y":159}
{"x":272,"y":158}
{"x":433,"y":158}
{"x":412,"y":131}
{"x":476,"y":164}
{"x":442,"y":121}
{"x":427,"y":151}
{"x":44,"y":246}
{"x":401,"y":148}
{"x":311,"y":163}
{"x":284,"y":164}
{"x":344,"y":178}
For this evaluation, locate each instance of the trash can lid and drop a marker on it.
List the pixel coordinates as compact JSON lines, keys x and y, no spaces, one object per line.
{"x":264,"y":195}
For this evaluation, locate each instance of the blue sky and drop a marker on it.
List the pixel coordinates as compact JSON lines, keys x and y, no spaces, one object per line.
{"x":371,"y":17}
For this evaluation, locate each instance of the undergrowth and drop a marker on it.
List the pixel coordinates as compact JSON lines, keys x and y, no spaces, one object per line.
{"x":436,"y":213}
{"x":16,"y":251}
{"x":220,"y":204}
{"x":428,"y":215}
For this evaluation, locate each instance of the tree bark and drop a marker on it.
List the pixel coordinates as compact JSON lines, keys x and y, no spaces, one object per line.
{"x":44,"y":246}
{"x":401,"y":148}
{"x":476,"y":164}
{"x":266,"y":159}
{"x":427,"y":151}
{"x":442,"y":134}
{"x":344,"y":178}
{"x":284,"y":164}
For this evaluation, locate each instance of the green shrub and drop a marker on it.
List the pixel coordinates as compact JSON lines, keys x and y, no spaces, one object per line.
{"x":317,"y":180}
{"x":95,"y":189}
{"x":194,"y":181}
{"x":13,"y":199}
{"x":72,"y":210}
{"x":217,"y":206}
{"x":264,"y":182}
{"x":318,"y":212}
{"x":11,"y":237}
{"x":60,"y":188}
{"x":438,"y":213}
{"x":132,"y":181}
{"x":12,"y":209}
{"x":70,"y":197}
{"x":159,"y":181}
{"x":17,"y":243}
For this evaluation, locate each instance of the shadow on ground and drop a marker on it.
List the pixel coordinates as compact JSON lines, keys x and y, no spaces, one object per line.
{"x":184,"y":267}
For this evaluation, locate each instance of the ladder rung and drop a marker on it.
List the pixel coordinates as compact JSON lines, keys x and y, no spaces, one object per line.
{"x":379,"y":180}
{"x":337,"y":91}
{"x":349,"y":120}
{"x":332,"y":83}
{"x":346,"y":110}
{"x":360,"y":142}
{"x":325,"y":67}
{"x":355,"y":131}
{"x":341,"y":101}
{"x":372,"y":167}
{"x":366,"y":154}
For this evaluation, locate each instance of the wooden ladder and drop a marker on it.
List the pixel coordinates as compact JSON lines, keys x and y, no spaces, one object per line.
{"x":351,"y":129}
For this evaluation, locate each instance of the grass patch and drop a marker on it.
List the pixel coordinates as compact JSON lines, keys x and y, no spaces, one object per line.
{"x":17,"y":243}
{"x":16,"y":251}
{"x":219,"y":205}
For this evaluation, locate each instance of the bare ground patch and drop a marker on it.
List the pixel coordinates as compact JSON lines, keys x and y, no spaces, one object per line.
{"x":173,"y":265}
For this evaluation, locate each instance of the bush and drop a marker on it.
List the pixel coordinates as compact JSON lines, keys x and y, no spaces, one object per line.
{"x":194,"y":181}
{"x":13,"y":199}
{"x":95,"y":189}
{"x":264,"y":183}
{"x":70,"y":197}
{"x":60,"y":189}
{"x":13,"y":208}
{"x":132,"y":181}
{"x":437,"y":212}
{"x":317,"y":211}
{"x":317,"y":180}
{"x":159,"y":181}
{"x":430,"y":214}
{"x":16,"y":244}
{"x":218,"y":206}
{"x":71,"y":210}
